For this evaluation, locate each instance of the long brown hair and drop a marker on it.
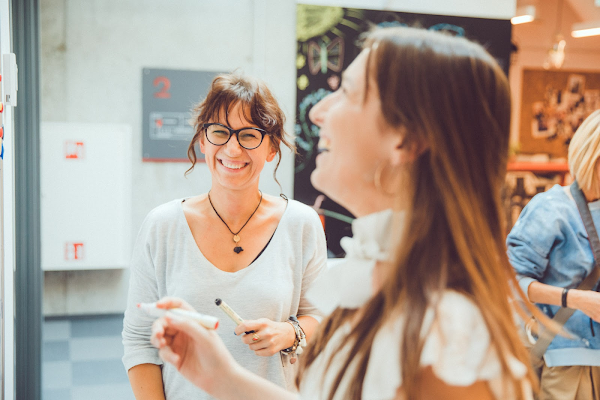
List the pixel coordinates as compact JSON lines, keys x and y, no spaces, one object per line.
{"x":258,"y":105}
{"x":450,"y":93}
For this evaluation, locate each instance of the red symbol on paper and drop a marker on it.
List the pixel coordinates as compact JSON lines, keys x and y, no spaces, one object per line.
{"x":73,"y":149}
{"x":159,"y":123}
{"x":163,"y":84}
{"x":73,"y":251}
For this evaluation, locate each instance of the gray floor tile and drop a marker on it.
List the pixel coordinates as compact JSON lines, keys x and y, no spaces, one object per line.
{"x":56,"y":330}
{"x":103,"y":392}
{"x":96,"y":348}
{"x":56,"y":375}
{"x":111,"y":325}
{"x":55,"y":351}
{"x":56,"y":394}
{"x":100,"y":372}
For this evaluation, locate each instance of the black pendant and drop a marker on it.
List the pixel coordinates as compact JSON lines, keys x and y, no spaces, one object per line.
{"x":238,"y":249}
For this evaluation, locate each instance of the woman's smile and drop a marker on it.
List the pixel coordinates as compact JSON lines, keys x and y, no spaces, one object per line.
{"x":232,"y":165}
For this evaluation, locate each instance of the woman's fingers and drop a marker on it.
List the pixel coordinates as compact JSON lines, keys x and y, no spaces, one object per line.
{"x":158,"y":333}
{"x":174,"y":302}
{"x":169,"y":356}
{"x":250,"y":325}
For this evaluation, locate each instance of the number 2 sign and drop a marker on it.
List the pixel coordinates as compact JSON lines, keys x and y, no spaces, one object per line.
{"x":162,"y":84}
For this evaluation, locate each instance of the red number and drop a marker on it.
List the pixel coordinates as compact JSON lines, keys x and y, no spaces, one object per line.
{"x":163,"y":83}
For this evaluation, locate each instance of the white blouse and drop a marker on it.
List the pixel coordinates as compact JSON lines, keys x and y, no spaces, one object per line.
{"x":457,"y":340}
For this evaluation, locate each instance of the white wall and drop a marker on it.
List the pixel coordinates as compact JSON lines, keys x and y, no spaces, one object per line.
{"x":499,"y":9}
{"x":93,"y":53}
{"x":92,"y":56}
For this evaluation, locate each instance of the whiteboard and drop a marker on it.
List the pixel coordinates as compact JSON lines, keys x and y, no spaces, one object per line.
{"x":85,"y":173}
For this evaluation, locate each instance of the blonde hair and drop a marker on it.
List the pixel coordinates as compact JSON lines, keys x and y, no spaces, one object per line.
{"x":584,"y":151}
{"x":450,"y":93}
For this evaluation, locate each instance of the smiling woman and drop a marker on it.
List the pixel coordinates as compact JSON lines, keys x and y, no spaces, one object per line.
{"x":234,"y":243}
{"x":416,"y":142}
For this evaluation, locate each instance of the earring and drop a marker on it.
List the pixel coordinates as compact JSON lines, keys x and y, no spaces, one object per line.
{"x":387,"y":189}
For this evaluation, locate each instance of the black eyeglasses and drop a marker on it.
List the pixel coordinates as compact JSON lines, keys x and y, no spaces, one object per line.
{"x":248,"y":138}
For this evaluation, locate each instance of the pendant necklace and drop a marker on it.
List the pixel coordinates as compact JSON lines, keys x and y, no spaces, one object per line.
{"x":236,"y":238}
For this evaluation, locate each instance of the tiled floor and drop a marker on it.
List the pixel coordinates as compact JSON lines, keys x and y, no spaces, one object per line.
{"x":82,"y":359}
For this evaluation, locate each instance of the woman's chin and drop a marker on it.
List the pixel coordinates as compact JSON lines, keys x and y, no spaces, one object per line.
{"x":316,"y":178}
{"x":322,"y":181}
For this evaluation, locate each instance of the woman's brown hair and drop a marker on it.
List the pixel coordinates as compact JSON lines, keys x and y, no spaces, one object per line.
{"x":257,"y":103}
{"x":451,"y":94}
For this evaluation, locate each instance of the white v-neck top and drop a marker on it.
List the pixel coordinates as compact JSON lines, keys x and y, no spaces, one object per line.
{"x":167,"y":262}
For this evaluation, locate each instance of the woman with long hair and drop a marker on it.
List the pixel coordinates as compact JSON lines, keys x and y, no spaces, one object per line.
{"x":259,"y":253}
{"x":549,"y":248}
{"x":415,"y":144}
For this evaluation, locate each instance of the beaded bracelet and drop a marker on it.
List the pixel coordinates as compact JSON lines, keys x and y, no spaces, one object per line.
{"x":299,"y":342}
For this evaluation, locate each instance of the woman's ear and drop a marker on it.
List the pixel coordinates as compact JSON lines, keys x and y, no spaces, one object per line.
{"x":407,"y":151}
{"x":201,"y":144}
{"x":272,"y":153}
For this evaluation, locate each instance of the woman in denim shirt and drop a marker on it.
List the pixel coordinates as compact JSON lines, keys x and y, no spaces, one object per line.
{"x":550,"y":251}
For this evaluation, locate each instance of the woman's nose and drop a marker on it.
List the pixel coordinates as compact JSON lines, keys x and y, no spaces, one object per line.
{"x":232,"y":147}
{"x":317,"y":113}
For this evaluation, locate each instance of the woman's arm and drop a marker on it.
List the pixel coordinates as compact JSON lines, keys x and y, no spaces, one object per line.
{"x":309,"y":325}
{"x":140,"y":358}
{"x":586,"y":301}
{"x":146,"y":382}
{"x":430,"y":386}
{"x":201,"y":356}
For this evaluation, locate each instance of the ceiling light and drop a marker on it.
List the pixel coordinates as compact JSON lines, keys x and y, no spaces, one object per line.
{"x":583,"y":29}
{"x":523,"y":15}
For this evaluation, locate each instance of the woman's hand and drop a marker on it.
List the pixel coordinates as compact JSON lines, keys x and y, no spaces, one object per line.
{"x":269,"y":337}
{"x":174,"y":302}
{"x":196,"y":352}
{"x":586,"y":301}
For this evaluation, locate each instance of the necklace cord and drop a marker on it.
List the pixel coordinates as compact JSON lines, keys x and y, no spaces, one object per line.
{"x":223,"y":221}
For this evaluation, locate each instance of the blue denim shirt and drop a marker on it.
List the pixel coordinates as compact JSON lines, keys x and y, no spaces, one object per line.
{"x":549,"y":244}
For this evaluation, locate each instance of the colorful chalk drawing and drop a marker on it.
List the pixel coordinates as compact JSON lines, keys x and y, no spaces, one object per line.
{"x":314,"y":21}
{"x":328,"y":39}
{"x":323,"y":55}
{"x":449,"y":28}
{"x":307,"y":134}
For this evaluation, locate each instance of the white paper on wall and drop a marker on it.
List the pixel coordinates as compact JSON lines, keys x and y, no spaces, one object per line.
{"x":85,"y":195}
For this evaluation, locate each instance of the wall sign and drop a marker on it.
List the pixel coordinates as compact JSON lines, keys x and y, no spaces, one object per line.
{"x":168,"y":97}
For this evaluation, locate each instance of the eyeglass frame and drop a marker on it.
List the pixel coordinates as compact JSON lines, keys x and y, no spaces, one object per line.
{"x":236,"y":133}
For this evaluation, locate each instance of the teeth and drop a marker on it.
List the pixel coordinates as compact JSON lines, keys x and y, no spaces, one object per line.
{"x":232,"y":166}
{"x":323,"y":144}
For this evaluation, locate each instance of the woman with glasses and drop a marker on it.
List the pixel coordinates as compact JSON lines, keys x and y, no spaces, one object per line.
{"x":415,"y":144}
{"x":258,"y":253}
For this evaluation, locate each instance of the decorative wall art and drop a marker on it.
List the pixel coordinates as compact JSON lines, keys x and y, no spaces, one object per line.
{"x":553,"y":105}
{"x":328,"y":39}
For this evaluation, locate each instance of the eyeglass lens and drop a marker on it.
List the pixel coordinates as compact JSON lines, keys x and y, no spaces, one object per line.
{"x":248,"y":138}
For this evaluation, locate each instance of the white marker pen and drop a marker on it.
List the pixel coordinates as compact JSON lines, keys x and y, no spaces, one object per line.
{"x":207,"y":321}
{"x":230,"y":313}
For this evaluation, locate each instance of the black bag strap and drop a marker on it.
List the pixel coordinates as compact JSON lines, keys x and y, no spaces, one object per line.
{"x":546,"y":336}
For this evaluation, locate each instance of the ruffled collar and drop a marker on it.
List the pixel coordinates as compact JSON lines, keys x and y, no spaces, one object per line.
{"x":348,"y":282}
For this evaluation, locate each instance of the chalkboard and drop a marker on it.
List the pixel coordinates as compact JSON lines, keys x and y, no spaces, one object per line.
{"x":168,"y":97}
{"x":328,"y":39}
